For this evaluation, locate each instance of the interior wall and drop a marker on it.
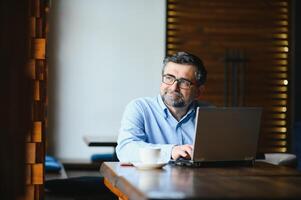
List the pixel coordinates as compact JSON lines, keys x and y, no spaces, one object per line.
{"x":102,"y":54}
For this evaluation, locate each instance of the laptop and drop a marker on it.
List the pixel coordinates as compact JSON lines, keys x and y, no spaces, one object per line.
{"x":225,"y":136}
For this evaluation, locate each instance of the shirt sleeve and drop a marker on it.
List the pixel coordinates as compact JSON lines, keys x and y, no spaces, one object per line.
{"x":132,"y":136}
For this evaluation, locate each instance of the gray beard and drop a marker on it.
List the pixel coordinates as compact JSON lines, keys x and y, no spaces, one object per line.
{"x":179,"y":103}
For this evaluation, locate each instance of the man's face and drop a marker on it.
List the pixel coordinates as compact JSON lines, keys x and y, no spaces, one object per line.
{"x":174,"y":96}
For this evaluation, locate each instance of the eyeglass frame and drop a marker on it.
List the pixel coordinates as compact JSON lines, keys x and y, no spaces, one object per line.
{"x":179,"y":81}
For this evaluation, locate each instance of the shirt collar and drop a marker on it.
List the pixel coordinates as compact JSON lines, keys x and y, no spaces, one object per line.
{"x":191,"y":107}
{"x":163,"y":106}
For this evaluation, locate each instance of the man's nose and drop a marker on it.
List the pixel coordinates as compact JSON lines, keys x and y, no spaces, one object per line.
{"x":175,"y":85}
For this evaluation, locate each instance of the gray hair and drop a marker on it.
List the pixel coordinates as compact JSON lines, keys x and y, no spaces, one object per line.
{"x":189,"y":59}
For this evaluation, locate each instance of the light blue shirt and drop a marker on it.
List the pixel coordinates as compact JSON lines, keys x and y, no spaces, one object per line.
{"x":148,"y":122}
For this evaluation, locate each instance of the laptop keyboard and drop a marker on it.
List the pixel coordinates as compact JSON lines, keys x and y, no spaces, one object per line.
{"x":191,"y":163}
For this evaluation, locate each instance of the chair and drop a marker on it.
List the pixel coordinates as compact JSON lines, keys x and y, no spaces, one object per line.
{"x":101,"y":157}
{"x":52,"y":164}
{"x":59,"y":185}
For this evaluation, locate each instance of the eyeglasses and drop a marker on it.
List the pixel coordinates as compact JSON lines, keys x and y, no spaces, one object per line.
{"x":170,"y":79}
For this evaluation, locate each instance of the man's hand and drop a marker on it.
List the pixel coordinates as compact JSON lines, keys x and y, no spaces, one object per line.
{"x":184,"y":151}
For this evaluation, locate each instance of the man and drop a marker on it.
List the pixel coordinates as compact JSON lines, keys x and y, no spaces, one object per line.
{"x":166,"y":121}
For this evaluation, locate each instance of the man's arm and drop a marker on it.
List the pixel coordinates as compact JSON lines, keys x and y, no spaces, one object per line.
{"x":132,"y":136}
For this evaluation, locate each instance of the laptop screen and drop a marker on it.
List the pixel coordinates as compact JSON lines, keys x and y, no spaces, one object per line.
{"x":226,"y":134}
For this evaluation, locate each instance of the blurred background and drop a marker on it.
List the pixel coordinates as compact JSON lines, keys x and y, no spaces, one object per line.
{"x":70,"y":67}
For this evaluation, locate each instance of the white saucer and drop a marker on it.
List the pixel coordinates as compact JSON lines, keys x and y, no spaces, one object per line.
{"x":146,"y":166}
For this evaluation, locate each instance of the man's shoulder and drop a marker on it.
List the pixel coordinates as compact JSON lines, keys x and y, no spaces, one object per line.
{"x":143,"y":101}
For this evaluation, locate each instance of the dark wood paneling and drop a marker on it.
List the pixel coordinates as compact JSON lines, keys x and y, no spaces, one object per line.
{"x":15,"y":96}
{"x":258,"y":30}
{"x":37,"y":67}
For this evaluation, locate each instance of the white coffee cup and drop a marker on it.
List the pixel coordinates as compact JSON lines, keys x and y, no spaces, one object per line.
{"x":149,"y":155}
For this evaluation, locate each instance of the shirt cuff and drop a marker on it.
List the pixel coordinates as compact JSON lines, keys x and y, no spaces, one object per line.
{"x":166,"y":152}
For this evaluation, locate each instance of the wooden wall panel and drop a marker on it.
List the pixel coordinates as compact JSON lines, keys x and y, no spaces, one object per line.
{"x":37,"y":69}
{"x":37,"y":131}
{"x":37,"y":174}
{"x":28,"y":175}
{"x":31,"y":153}
{"x":38,"y":47}
{"x":15,"y":97}
{"x":252,"y":38}
{"x":30,"y":193}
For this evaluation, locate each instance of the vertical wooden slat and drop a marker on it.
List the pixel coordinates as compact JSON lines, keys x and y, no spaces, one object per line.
{"x":36,"y":90}
{"x":37,"y":174}
{"x":31,"y":153}
{"x":31,"y":69}
{"x":28,"y":175}
{"x":37,"y":131}
{"x":29,"y":195}
{"x":32,"y":26}
{"x":39,"y":46}
{"x":40,"y":69}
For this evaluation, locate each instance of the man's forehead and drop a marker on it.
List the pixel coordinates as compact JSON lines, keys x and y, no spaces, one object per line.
{"x":180,"y":68}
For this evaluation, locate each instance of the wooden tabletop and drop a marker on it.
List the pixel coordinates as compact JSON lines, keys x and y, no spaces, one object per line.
{"x":263,"y":181}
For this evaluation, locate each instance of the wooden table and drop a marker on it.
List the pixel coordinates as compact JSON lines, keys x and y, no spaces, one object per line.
{"x":263,"y":181}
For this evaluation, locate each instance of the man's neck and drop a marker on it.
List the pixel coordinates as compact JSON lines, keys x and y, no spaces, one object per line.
{"x":178,"y":113}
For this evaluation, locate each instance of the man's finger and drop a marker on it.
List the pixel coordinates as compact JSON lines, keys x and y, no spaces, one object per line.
{"x":188,"y":150}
